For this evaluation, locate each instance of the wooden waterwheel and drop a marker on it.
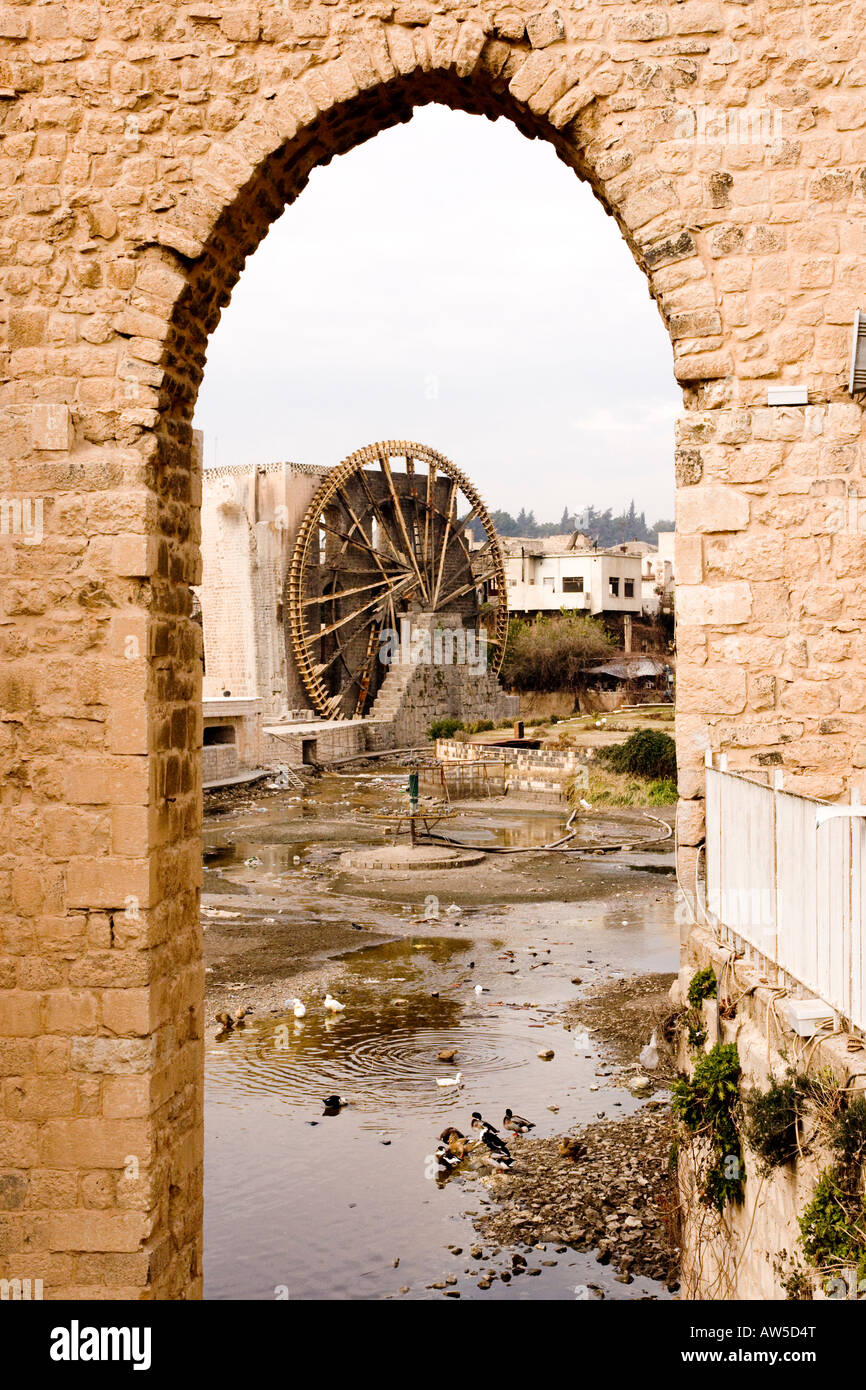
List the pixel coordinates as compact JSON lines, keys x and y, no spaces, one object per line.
{"x":386,"y":535}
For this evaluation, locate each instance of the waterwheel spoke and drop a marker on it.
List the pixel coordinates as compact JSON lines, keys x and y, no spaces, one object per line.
{"x":344,"y":593}
{"x":401,"y":522}
{"x":399,"y":585}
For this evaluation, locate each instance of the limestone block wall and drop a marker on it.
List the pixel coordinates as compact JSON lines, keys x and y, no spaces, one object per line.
{"x":431,"y":692}
{"x":145,"y":150}
{"x":752,"y":1251}
{"x":326,"y":741}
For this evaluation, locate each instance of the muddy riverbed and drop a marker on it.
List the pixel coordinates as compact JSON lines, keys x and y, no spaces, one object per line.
{"x":303,"y":1204}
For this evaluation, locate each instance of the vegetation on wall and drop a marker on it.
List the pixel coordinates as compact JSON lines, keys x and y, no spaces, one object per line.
{"x":833,"y":1225}
{"x":703,"y":986}
{"x":772,"y":1121}
{"x":708,"y":1107}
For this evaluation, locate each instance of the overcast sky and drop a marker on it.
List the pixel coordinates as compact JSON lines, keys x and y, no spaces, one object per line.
{"x":451,"y":282}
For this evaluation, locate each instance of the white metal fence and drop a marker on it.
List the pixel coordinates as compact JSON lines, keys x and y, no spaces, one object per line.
{"x":792,"y":889}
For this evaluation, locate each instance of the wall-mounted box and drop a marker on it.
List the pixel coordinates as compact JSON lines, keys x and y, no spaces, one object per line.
{"x":807,"y":1016}
{"x":787,"y":395}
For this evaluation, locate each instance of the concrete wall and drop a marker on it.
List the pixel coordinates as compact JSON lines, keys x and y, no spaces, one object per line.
{"x":145,"y":153}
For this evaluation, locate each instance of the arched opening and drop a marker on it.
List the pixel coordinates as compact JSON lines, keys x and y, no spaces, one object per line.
{"x":276,"y":183}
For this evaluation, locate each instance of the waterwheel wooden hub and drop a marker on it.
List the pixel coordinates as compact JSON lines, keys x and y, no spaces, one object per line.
{"x":386,"y":535}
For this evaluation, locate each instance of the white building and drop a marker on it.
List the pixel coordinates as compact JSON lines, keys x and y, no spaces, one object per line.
{"x":657,"y":582}
{"x":547,"y":574}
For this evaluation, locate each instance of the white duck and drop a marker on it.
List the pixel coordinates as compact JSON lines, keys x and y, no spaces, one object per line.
{"x":297,"y":1006}
{"x":450,"y":1080}
{"x":649,"y":1055}
{"x":333,"y":1005}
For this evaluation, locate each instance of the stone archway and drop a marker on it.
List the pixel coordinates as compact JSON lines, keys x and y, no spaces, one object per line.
{"x":145,"y":155}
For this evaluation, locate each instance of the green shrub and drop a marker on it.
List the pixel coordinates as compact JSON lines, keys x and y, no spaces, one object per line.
{"x":444,"y":728}
{"x":848,"y":1140}
{"x":772,"y":1121}
{"x":833,"y":1225}
{"x":703,"y":986}
{"x":647,"y":753}
{"x":708,"y":1106}
{"x":479,"y":726}
{"x":551,"y":653}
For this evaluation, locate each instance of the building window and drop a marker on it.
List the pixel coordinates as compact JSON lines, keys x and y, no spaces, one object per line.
{"x":548,"y":583}
{"x":629,"y":588}
{"x":572,"y":584}
{"x":614,"y":587}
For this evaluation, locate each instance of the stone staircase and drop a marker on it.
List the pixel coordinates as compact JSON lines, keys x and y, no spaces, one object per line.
{"x":392,"y":692}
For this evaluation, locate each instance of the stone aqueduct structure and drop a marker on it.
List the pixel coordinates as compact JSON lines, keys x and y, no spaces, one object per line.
{"x":145,"y":149}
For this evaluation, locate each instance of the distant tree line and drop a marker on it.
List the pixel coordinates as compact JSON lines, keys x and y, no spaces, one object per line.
{"x":604,"y":528}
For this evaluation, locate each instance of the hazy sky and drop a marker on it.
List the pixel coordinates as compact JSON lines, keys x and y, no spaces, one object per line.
{"x":451,"y":282}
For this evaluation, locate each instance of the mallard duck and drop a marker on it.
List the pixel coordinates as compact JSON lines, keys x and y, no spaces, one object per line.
{"x":516,"y":1123}
{"x":297,"y":1006}
{"x":333,"y":1005}
{"x":448,"y":1054}
{"x":571,"y":1148}
{"x":450,"y":1080}
{"x":451,"y":1132}
{"x":240,"y":1016}
{"x":457,"y":1143}
{"x":225,"y":1021}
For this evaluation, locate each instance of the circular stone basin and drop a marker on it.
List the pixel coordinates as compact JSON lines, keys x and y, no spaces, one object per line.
{"x":410,"y":857}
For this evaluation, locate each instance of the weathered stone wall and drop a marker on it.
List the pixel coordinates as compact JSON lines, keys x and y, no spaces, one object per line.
{"x":249,"y":522}
{"x":145,"y":150}
{"x":754,"y":1248}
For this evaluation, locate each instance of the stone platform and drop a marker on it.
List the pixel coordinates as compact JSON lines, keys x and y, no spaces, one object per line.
{"x":405,"y":857}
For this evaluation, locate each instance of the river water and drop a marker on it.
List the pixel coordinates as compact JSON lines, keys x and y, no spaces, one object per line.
{"x":303,"y":1205}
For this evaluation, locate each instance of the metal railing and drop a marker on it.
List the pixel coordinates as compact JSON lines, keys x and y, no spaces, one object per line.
{"x":787,"y":876}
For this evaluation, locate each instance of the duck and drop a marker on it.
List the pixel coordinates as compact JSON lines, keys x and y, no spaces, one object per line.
{"x":297,"y":1006}
{"x":649,"y":1055}
{"x":225,"y":1021}
{"x":446,"y":1161}
{"x":490,"y":1137}
{"x":334,"y":1102}
{"x":240,"y":1016}
{"x":502,"y":1162}
{"x":451,"y":1132}
{"x":333,"y":1005}
{"x":516,"y":1123}
{"x":450,"y":1080}
{"x":448,"y":1054}
{"x":572,"y":1148}
{"x":456,"y":1142}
